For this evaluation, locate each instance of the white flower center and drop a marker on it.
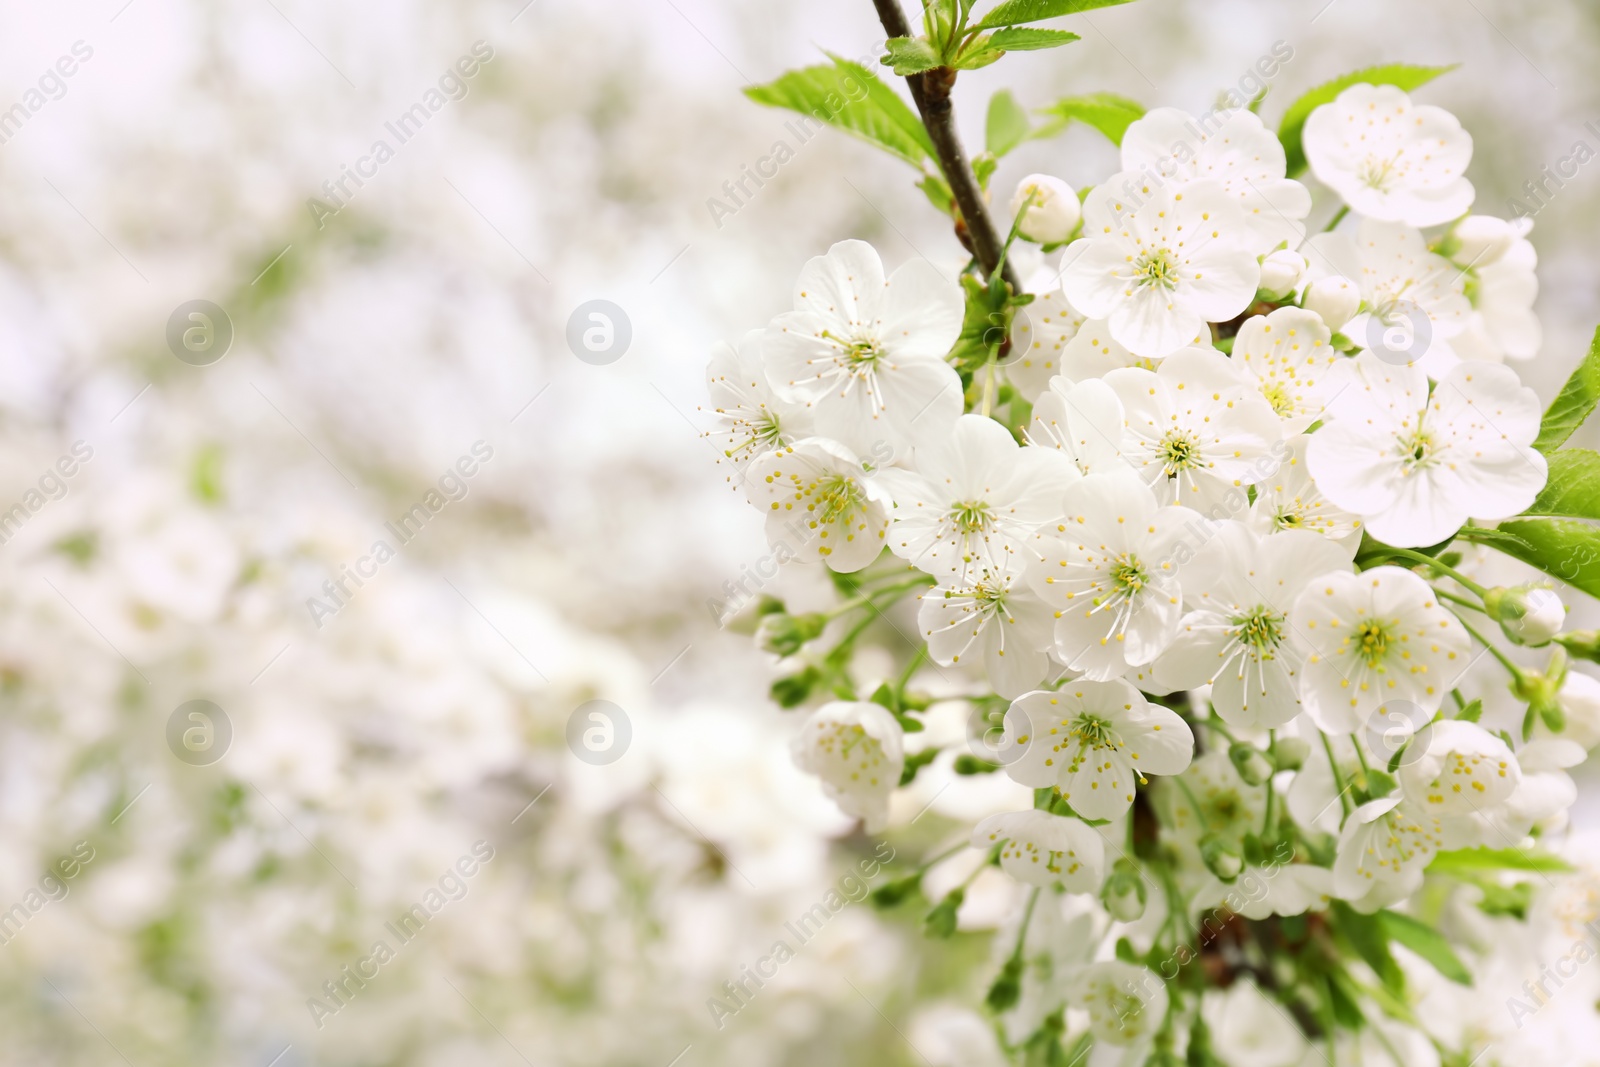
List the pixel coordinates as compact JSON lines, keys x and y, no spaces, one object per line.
{"x":1156,"y":269}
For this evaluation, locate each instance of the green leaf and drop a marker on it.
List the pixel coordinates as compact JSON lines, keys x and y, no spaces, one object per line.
{"x":916,"y":761}
{"x":1573,"y":404}
{"x":1291,"y":129}
{"x":1366,"y":936}
{"x":849,"y":96}
{"x":1007,"y":124}
{"x":1573,"y":490}
{"x":1563,"y":548}
{"x":1107,"y":112}
{"x":1426,"y":942}
{"x":1017,"y":12}
{"x":1030,"y":39}
{"x":937,"y":190}
{"x":911,"y":55}
{"x":1467,"y":860}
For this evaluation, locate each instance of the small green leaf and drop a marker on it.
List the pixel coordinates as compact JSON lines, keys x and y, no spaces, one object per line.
{"x":1007,"y":124}
{"x":1563,"y":548}
{"x":911,"y":55}
{"x":1030,"y":39}
{"x":1017,"y":12}
{"x":1573,"y":404}
{"x":937,"y":190}
{"x":849,"y":96}
{"x":1467,"y":860}
{"x":1573,"y":490}
{"x":1291,"y":129}
{"x":1426,"y":942}
{"x":1366,"y":936}
{"x":1107,"y":112}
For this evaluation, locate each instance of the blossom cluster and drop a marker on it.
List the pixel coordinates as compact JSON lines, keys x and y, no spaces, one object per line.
{"x":1183,"y":540}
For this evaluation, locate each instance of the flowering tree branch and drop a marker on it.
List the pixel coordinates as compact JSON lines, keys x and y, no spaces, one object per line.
{"x":931,"y":92}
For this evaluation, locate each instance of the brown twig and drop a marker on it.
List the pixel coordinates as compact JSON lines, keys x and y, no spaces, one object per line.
{"x":931,"y":92}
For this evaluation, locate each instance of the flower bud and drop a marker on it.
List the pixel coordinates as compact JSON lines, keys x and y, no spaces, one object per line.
{"x":892,"y":893}
{"x":1282,"y":272}
{"x":1124,"y":892}
{"x":1335,"y":299}
{"x":1581,"y":644}
{"x":1529,"y":614}
{"x":1540,"y":690}
{"x":783,"y":634}
{"x":1290,"y":753}
{"x":941,"y":921}
{"x":1252,"y":764}
{"x":796,"y":689}
{"x":1007,"y":988}
{"x":1479,"y":240}
{"x":1052,"y":211}
{"x":1222,"y":856}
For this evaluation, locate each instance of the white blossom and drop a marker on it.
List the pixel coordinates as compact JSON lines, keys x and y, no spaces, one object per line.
{"x":866,"y":353}
{"x":1414,"y":465}
{"x":1041,"y":849}
{"x":1197,"y":426}
{"x":855,"y":748}
{"x":1163,"y":266}
{"x":821,"y":504}
{"x":1390,"y":159}
{"x":1373,"y":637}
{"x":1094,"y":742}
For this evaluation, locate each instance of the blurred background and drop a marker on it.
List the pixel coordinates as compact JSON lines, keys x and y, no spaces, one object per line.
{"x":207,"y":883}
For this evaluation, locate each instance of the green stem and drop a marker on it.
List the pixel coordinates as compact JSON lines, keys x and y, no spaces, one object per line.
{"x":946,"y":854}
{"x":865,"y":599}
{"x":1194,"y":802}
{"x":911,"y":668}
{"x":1366,"y":768}
{"x":1266,"y":821}
{"x":1337,"y":218}
{"x":1428,"y":561}
{"x":1516,"y":671}
{"x":1027,"y":917}
{"x":1338,"y":775}
{"x":1445,"y":594}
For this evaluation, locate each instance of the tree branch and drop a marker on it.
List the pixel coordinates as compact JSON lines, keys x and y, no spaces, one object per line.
{"x":931,"y":92}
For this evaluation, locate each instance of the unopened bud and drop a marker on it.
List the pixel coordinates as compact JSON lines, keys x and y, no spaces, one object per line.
{"x":1581,"y":644}
{"x":783,"y":634}
{"x":1124,"y":892}
{"x":1251,"y":763}
{"x":941,"y":921}
{"x":1335,"y":299}
{"x":1529,"y":614}
{"x":1479,"y":240}
{"x":1281,"y":273}
{"x":1222,"y":856}
{"x":1290,"y":753}
{"x":1052,"y":211}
